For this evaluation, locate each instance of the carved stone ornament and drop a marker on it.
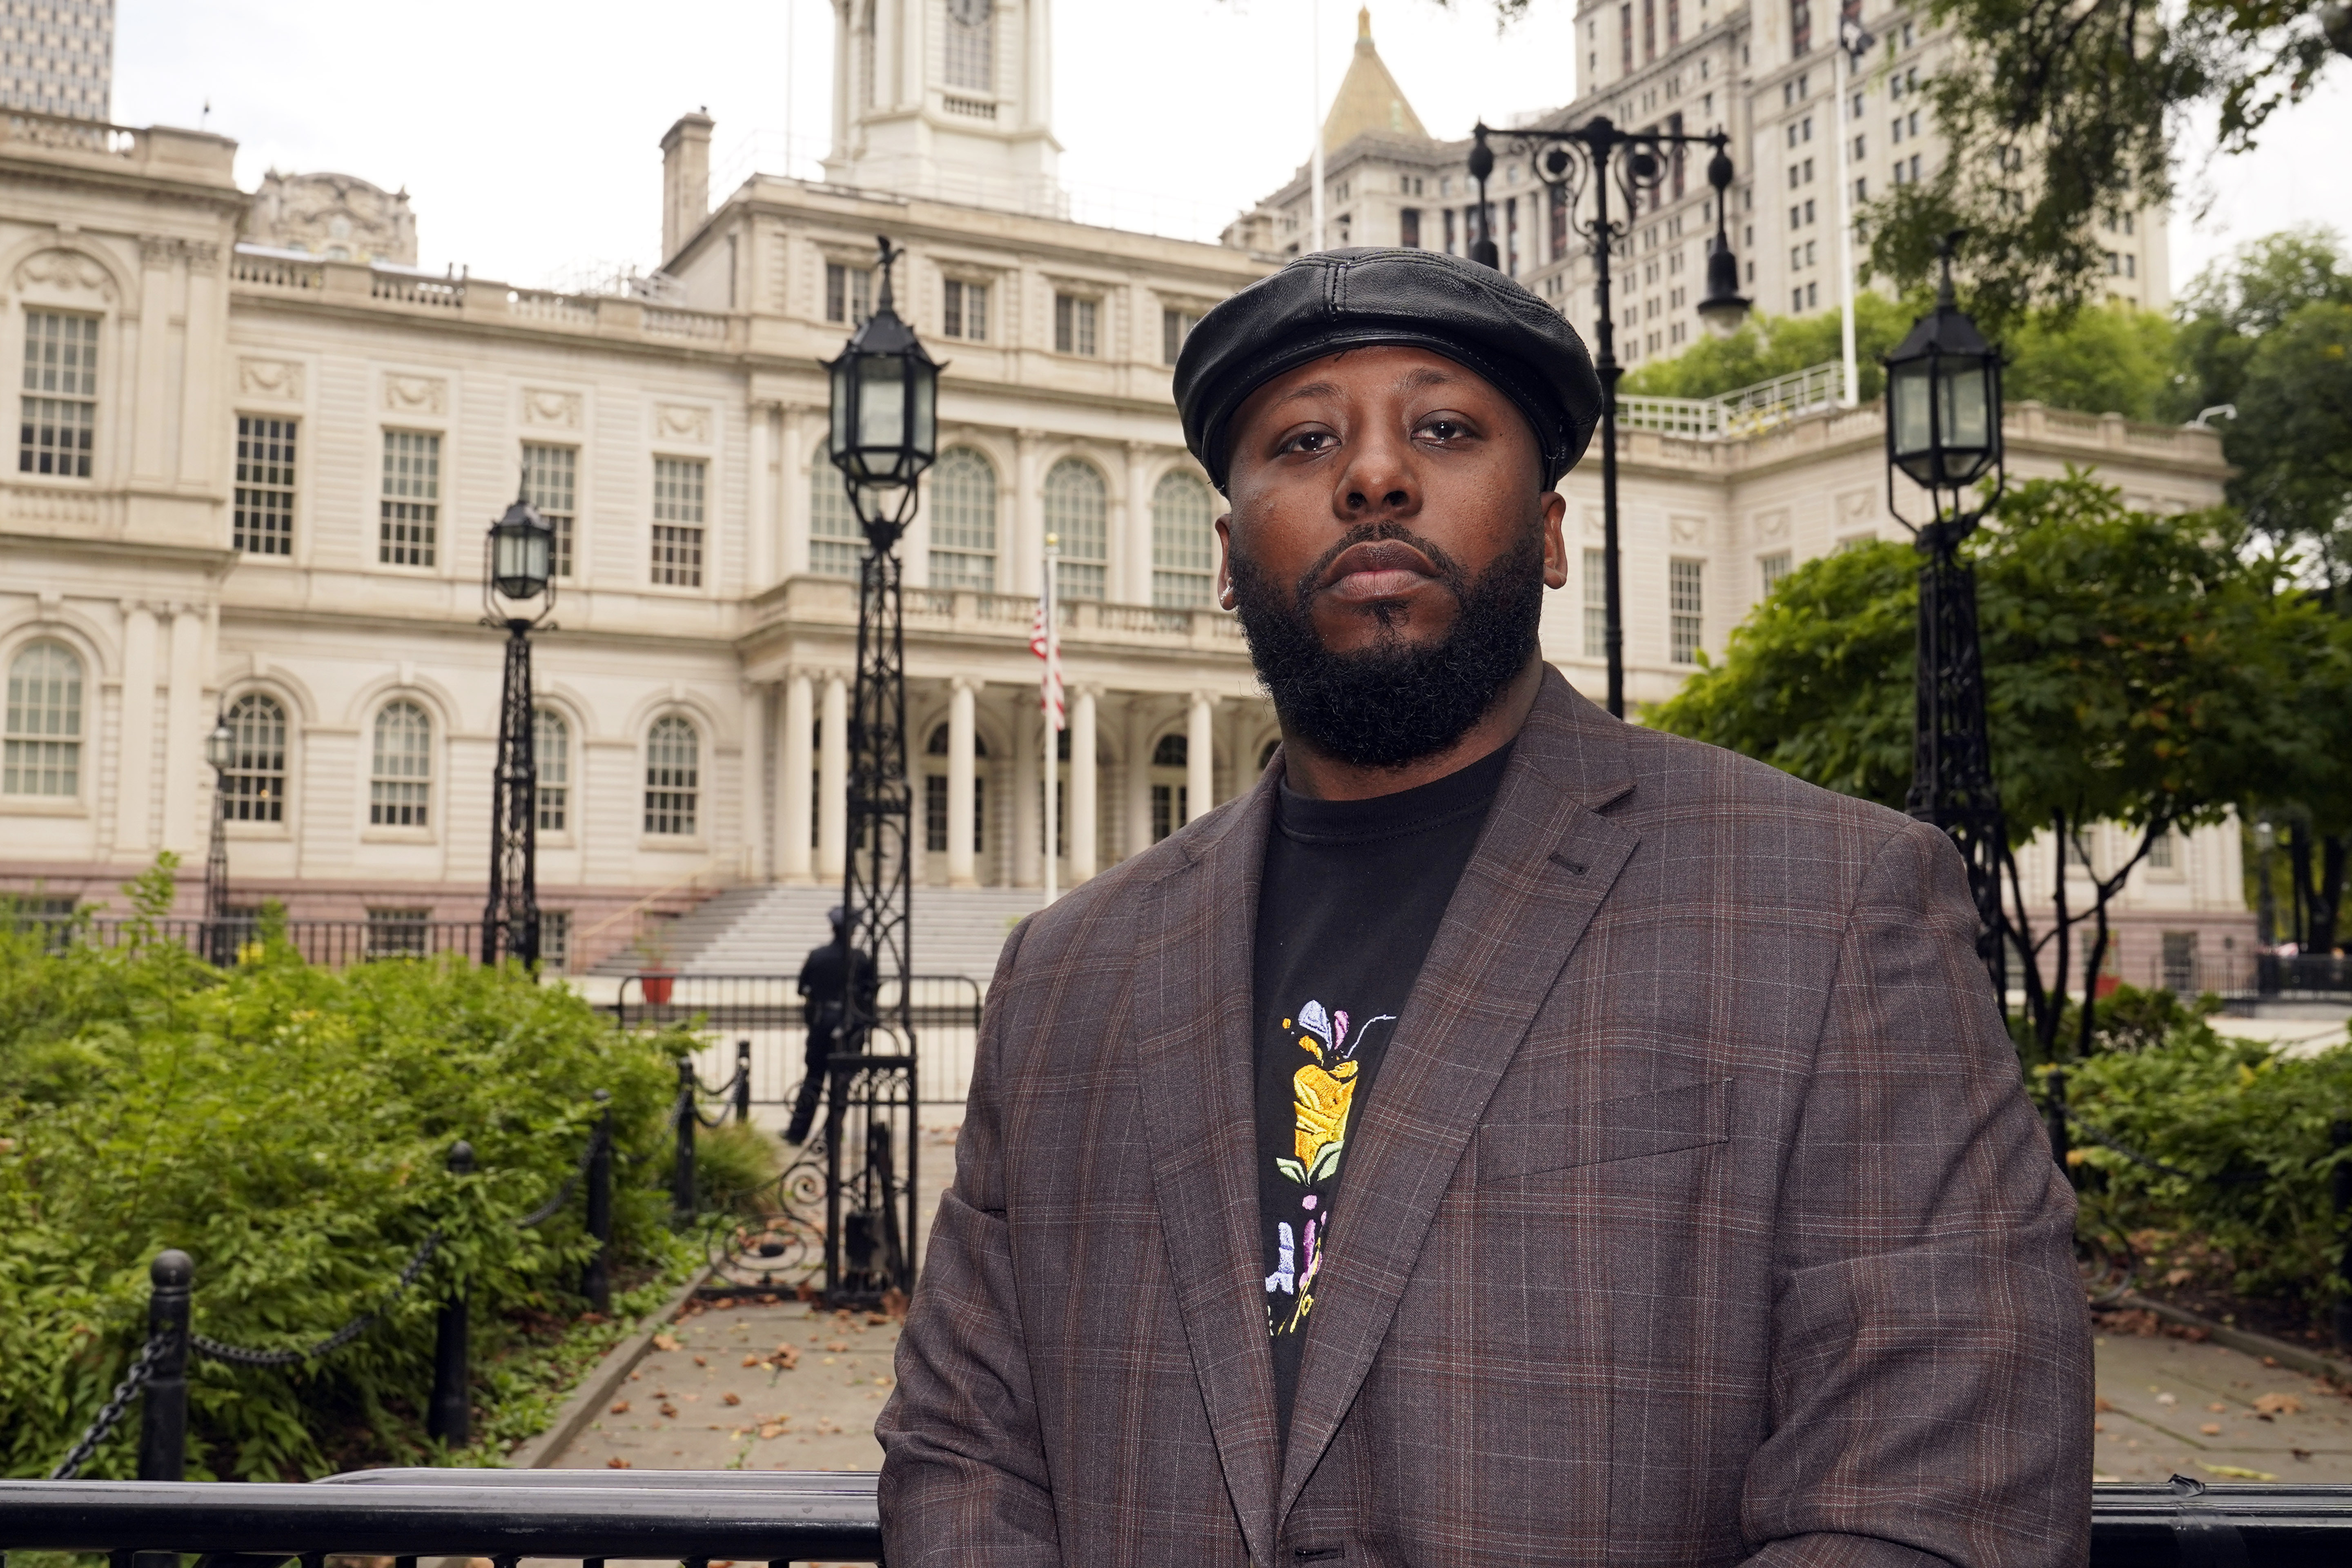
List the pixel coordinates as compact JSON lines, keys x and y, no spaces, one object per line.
{"x":1772,"y":525}
{"x":1596,"y":522}
{"x":415,"y":393}
{"x":277,"y":378}
{"x":677,"y":422}
{"x":1688,"y":529}
{"x":550,"y":410}
{"x":65,"y":269}
{"x":1856,"y":506}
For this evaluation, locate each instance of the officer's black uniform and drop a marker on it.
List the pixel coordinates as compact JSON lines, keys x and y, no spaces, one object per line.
{"x":821,"y":991}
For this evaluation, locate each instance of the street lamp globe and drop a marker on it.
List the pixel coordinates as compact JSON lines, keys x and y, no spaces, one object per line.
{"x":522,"y":553}
{"x":1724,"y":308}
{"x":884,"y":395}
{"x":1943,"y":398}
{"x":220,"y":746}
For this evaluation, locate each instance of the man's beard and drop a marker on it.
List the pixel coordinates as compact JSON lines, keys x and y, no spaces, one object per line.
{"x":1394,"y":703}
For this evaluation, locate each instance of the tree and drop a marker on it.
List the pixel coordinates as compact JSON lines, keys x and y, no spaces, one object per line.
{"x":1767,"y":346}
{"x":2139,"y":670}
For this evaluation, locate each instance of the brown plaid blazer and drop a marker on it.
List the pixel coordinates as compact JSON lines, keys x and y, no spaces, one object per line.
{"x":1697,"y":1215}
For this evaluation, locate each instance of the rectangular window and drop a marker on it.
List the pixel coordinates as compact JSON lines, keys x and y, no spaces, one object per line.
{"x":60,"y":405}
{"x":1800,"y":26}
{"x":1772,"y":568}
{"x":2179,"y":962}
{"x":677,"y":522}
{"x":1175,"y":326}
{"x":935,"y":813}
{"x":410,"y":519}
{"x":551,"y":483}
{"x":1074,"y":325}
{"x":1625,"y":36}
{"x":965,"y":314}
{"x":264,"y":516}
{"x":1409,"y":227}
{"x":848,"y":293}
{"x":397,"y":933}
{"x":1449,"y":240}
{"x":1687,"y":610}
{"x":1596,"y":603}
{"x":551,"y":748}
{"x":555,"y":941}
{"x":1168,"y":813}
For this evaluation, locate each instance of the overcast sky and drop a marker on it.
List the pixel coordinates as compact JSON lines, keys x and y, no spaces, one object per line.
{"x":527,"y":132}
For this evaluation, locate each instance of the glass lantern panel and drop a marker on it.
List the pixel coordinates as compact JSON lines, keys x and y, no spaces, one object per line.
{"x":927,"y":414}
{"x":881,"y":410}
{"x":1907,"y":396}
{"x":842,"y":387}
{"x":220,"y":747}
{"x":1966,"y":402}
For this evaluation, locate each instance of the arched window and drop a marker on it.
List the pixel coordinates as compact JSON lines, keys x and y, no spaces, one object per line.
{"x":673,"y":775}
{"x":44,"y":739}
{"x":1183,"y":544}
{"x":400,"y":777}
{"x":963,"y":521}
{"x":937,"y":746}
{"x":835,"y":541}
{"x":1171,"y":752}
{"x":256,"y":780}
{"x":1077,"y":504}
{"x":972,"y":48}
{"x":550,"y":753}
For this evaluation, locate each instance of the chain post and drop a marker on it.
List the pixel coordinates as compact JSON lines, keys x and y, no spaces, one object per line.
{"x":2339,"y":1136}
{"x":681,"y":1182}
{"x":449,"y":1414}
{"x":163,"y":1404}
{"x":595,"y":1279}
{"x":742,"y":1081}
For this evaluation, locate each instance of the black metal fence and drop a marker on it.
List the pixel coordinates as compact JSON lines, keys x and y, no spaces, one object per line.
{"x":758,"y":1017}
{"x":329,"y":944}
{"x":697,"y":1517}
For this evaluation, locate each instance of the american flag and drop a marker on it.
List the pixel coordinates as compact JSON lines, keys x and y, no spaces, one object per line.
{"x":1047,"y":645}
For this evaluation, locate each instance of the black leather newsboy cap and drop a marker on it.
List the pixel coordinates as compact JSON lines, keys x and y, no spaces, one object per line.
{"x":1335,"y":299}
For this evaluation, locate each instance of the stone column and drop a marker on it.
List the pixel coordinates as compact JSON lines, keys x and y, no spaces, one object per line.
{"x":1082,"y":784}
{"x":962,"y":737}
{"x":1028,"y":802}
{"x":186,"y":776}
{"x":793,"y":762}
{"x":1025,"y":549}
{"x":1138,"y":774}
{"x":792,"y":485}
{"x":1200,"y":756}
{"x":758,"y":867}
{"x":135,"y":766}
{"x":833,"y":784}
{"x":1136,"y":556}
{"x":760,"y":541}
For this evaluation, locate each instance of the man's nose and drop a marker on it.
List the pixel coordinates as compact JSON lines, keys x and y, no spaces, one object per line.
{"x":1378,"y":479}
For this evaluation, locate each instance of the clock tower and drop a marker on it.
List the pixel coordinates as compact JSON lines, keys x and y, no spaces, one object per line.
{"x":950,"y":99}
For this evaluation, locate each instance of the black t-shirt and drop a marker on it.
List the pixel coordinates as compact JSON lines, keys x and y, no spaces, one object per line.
{"x":1352,"y":895}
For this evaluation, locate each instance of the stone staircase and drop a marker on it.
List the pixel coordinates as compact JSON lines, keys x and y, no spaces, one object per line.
{"x":769,"y":930}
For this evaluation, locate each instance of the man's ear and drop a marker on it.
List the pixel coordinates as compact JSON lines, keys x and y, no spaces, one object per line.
{"x":1224,"y":559}
{"x":1555,"y":548}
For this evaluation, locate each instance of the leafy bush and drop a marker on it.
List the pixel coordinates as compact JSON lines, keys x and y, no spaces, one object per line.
{"x":2248,"y":1204}
{"x":288,"y":1128}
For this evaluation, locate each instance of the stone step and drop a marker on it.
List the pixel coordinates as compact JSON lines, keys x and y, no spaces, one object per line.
{"x":769,"y":930}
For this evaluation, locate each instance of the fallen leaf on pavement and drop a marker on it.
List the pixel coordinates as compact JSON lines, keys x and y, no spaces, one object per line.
{"x":2102,"y":1405}
{"x":2212,"y":1428}
{"x":750,"y":1360}
{"x":2168,"y":1400}
{"x":733,"y":1398}
{"x":699,"y":1362}
{"x":671,"y":1410}
{"x":771,"y":1430}
{"x":877,"y":1320}
{"x":838,"y":1346}
{"x":616,"y":1463}
{"x":621,"y":1407}
{"x":665,"y":1341}
{"x":789,"y":1355}
{"x":2279,"y":1405}
{"x":2217,"y":1407}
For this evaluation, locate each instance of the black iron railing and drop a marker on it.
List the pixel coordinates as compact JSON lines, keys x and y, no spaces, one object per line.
{"x":782,"y":1517}
{"x":329,"y":944}
{"x":756,"y":1018}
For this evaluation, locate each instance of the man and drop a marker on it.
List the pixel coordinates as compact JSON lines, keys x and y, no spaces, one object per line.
{"x":1503,"y":1135}
{"x":823,"y":985}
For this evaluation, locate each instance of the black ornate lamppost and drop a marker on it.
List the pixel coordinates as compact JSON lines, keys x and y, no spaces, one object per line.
{"x":1640,"y":161}
{"x":518,"y":567}
{"x":1943,"y":431}
{"x":885,"y":407}
{"x":220,"y":751}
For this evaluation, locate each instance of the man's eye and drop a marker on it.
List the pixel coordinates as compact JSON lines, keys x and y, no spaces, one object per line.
{"x":1312,"y":441}
{"x":1445,"y":430}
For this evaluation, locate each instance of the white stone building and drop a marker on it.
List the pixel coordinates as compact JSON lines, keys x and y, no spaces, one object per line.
{"x":57,"y":56}
{"x":253,"y":473}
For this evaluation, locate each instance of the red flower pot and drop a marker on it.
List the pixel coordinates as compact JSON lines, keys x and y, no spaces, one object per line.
{"x":656,"y":987}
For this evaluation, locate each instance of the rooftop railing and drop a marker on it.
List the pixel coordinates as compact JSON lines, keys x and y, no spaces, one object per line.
{"x":1741,"y":412}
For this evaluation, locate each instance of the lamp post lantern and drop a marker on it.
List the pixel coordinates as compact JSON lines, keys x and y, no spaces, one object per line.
{"x":885,"y":407}
{"x":220,"y":751}
{"x":1943,"y":433}
{"x":1640,"y":161}
{"x":518,"y":567}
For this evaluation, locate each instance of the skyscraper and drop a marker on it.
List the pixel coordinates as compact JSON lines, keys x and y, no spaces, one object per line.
{"x":58,"y":57}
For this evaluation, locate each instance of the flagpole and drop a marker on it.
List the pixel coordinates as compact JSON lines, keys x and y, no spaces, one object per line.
{"x":1315,"y":158}
{"x":1048,"y":702}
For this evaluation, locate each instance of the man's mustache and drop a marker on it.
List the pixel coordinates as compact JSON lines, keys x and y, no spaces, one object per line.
{"x":1450,"y":572}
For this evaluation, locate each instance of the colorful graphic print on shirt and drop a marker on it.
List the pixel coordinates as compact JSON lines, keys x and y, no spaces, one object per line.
{"x":1323,"y":1093}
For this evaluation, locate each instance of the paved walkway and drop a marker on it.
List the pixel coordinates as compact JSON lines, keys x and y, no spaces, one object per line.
{"x":2169,"y":1405}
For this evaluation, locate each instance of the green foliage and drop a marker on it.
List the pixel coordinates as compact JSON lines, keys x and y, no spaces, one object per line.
{"x":2139,"y":669}
{"x":2216,"y":1108}
{"x":287,"y":1127}
{"x":1768,"y":346}
{"x":731,"y":1160}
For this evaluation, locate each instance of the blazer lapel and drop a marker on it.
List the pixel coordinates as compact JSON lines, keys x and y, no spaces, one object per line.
{"x":1543,"y":863}
{"x":1193,"y":995}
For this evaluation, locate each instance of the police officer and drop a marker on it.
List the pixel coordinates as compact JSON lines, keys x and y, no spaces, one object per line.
{"x":824,"y":984}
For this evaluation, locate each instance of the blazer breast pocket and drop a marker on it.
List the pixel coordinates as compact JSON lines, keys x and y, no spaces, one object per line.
{"x":1600,"y":1132}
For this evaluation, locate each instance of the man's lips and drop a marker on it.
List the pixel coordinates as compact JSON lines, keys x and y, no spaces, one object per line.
{"x":1382,"y":569}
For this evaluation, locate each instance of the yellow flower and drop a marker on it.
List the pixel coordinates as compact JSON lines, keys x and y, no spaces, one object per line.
{"x":1322,"y":1101}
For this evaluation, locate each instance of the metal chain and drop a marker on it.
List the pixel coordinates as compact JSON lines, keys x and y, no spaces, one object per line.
{"x":142,"y":1367}
{"x":721,"y":1091}
{"x":554,"y":1206}
{"x":241,"y":1355}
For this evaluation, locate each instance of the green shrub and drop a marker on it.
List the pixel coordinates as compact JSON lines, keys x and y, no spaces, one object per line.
{"x":288,"y":1128}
